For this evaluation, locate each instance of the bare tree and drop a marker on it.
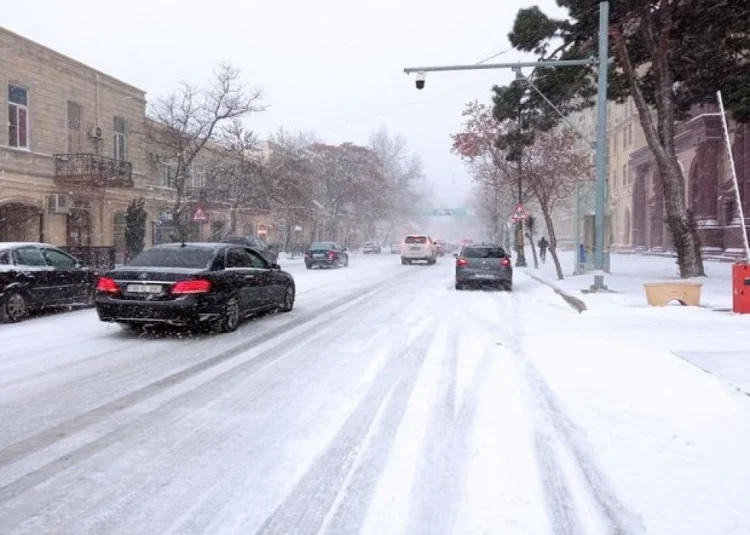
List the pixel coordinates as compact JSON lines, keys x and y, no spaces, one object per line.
{"x":552,"y":168}
{"x":530,"y":231}
{"x":184,"y":122}
{"x":403,"y":174}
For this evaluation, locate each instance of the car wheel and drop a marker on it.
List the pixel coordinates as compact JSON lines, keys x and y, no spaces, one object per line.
{"x":14,"y":308}
{"x":509,"y":287}
{"x":230,"y":317}
{"x":308,"y":266}
{"x":459,"y":286}
{"x":346,"y":264}
{"x":287,"y":303}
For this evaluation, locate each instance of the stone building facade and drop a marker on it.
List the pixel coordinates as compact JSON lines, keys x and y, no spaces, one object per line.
{"x":73,"y":156}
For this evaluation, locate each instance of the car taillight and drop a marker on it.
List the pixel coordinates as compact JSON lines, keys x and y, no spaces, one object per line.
{"x":197,"y":286}
{"x":505,"y":262}
{"x":107,"y":285}
{"x":308,"y":254}
{"x":462,"y":262}
{"x":331,"y":254}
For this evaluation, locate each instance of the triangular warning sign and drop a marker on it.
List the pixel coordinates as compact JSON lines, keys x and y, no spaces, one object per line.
{"x":199,"y":215}
{"x":520,"y":213}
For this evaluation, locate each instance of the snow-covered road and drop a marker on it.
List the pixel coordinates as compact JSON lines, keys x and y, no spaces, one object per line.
{"x":387,"y":402}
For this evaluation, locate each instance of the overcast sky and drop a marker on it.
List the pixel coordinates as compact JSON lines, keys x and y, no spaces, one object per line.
{"x":329,"y":66}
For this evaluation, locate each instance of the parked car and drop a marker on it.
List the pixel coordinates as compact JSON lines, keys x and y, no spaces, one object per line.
{"x":371,"y":248}
{"x":270,"y":255}
{"x":214,"y":285}
{"x":485,"y":265}
{"x":418,"y":248}
{"x":326,"y":254}
{"x":35,"y":276}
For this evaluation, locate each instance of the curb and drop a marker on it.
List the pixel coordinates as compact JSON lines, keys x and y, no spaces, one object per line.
{"x":577,"y":304}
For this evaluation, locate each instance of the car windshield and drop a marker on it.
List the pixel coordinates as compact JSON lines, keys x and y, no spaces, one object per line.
{"x":175,"y":257}
{"x":484,"y":252}
{"x":322,"y":245}
{"x":415,"y":239}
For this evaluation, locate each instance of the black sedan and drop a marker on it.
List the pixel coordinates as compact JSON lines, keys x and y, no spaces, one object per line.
{"x":483,"y":265}
{"x":213,"y":285}
{"x":35,"y":276}
{"x":326,"y":254}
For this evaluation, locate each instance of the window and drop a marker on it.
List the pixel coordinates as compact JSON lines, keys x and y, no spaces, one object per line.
{"x":75,"y":127}
{"x":237,"y":258}
{"x":121,"y":147}
{"x":625,"y":138}
{"x":416,"y":239}
{"x":175,"y":257}
{"x":630,"y":134}
{"x":4,"y":258}
{"x":18,"y":117}
{"x":29,"y":256}
{"x":624,"y":175}
{"x":484,"y":252}
{"x":257,"y":261}
{"x":166,"y":175}
{"x":58,"y":259}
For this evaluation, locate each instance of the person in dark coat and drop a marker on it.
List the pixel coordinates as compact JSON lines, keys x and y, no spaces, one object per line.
{"x":543,"y":245}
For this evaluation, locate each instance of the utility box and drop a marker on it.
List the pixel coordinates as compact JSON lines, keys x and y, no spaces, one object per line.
{"x":741,"y":288}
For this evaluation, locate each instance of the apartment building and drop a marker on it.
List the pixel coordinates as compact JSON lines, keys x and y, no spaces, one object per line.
{"x":73,"y":155}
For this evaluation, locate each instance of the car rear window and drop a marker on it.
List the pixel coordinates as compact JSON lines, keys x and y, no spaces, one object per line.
{"x":322,"y":245}
{"x":415,"y":239}
{"x":483,"y":252}
{"x":182,"y":257}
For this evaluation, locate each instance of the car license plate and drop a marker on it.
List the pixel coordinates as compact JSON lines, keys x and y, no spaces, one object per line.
{"x":319,"y":255}
{"x":484,"y":276}
{"x":414,"y":249}
{"x":144,"y":288}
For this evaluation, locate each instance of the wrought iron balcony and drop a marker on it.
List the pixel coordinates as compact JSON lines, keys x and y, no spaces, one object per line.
{"x":92,"y":170}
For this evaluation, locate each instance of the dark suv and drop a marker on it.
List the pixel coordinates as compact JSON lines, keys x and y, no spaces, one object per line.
{"x":483,"y":265}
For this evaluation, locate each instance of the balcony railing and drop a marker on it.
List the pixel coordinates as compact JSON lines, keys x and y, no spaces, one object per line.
{"x":92,"y":170}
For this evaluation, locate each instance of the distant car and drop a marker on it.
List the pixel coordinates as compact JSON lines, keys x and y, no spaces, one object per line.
{"x":418,"y":248}
{"x":255,"y":243}
{"x":396,"y":248}
{"x":326,"y":254}
{"x":371,"y":248}
{"x":35,"y":276}
{"x":441,"y":247}
{"x":214,"y":285}
{"x":483,"y":265}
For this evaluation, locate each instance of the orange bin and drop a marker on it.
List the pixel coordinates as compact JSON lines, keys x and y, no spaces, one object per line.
{"x":741,"y":288}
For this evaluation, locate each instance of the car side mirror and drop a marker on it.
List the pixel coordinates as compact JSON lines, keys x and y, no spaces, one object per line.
{"x":455,"y":255}
{"x":344,"y":249}
{"x":275,"y":267}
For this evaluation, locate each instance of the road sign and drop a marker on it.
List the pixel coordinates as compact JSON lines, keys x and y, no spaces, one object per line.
{"x":520,"y":214}
{"x":200,"y":216}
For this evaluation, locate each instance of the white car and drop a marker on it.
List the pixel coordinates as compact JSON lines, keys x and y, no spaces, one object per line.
{"x":418,"y":248}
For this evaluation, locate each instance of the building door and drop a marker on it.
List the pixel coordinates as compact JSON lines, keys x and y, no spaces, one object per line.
{"x":119,"y":225}
{"x":79,"y":228}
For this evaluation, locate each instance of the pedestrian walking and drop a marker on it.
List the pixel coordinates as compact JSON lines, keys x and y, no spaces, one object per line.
{"x":543,"y":245}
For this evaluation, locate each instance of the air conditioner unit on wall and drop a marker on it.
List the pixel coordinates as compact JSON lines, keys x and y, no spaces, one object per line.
{"x":95,"y":132}
{"x":59,"y":203}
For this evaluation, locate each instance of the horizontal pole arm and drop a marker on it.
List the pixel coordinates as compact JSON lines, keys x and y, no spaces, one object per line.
{"x":520,"y":64}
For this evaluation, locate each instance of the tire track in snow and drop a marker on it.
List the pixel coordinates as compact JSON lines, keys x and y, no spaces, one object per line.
{"x":441,"y":476}
{"x":307,"y":507}
{"x":25,"y":448}
{"x":555,"y":426}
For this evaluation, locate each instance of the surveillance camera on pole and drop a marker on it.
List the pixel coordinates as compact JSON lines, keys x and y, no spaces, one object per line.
{"x":420,"y":80}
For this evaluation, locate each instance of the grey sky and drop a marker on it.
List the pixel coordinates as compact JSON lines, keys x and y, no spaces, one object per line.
{"x":331,"y":66}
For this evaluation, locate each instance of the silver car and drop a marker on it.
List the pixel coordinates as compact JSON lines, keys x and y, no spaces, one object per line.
{"x":483,"y":265}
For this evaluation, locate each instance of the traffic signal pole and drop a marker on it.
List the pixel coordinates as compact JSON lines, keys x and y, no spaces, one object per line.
{"x":602,"y":62}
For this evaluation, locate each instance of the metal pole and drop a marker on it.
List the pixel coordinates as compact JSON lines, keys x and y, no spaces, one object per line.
{"x":521,"y":260}
{"x":484,"y":66}
{"x":737,"y":196}
{"x":601,"y":145}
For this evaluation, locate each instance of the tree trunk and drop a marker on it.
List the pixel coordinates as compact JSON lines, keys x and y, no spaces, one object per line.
{"x":660,"y":139}
{"x":552,"y":239}
{"x":533,"y":250}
